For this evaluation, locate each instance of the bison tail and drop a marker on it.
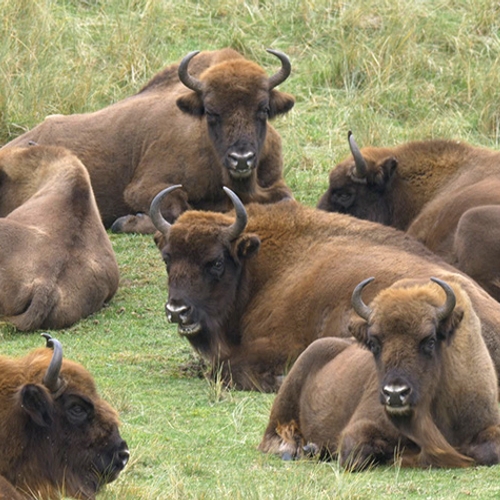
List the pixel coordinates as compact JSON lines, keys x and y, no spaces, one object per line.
{"x":38,"y":308}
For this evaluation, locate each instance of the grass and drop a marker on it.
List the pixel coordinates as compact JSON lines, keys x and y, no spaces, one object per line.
{"x":389,"y":70}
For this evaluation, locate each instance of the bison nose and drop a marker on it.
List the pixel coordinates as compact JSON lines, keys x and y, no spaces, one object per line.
{"x":177,"y":313}
{"x":123,"y":455}
{"x":242,"y":161}
{"x":396,"y":396}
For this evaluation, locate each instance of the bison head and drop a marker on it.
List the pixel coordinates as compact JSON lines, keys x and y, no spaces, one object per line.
{"x":237,"y":98}
{"x":205,"y":255}
{"x":359,"y":185}
{"x":71,"y":438}
{"x":406,"y":328}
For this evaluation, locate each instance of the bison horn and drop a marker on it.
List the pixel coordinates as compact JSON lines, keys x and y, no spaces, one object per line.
{"x":189,"y":81}
{"x":51,"y":378}
{"x":155,"y":213}
{"x":359,"y":161}
{"x":357,"y":302}
{"x":283,"y":73}
{"x":240,"y":223}
{"x":445,"y":310}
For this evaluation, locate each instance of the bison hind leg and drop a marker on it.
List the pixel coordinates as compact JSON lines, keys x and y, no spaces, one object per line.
{"x":485,"y":449}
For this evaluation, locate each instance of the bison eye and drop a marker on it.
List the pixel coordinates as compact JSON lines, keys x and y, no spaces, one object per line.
{"x":78,"y":410}
{"x":212,"y":117}
{"x":374,"y":346}
{"x":428,"y":345}
{"x":263,"y":114}
{"x":216,"y":268}
{"x":343,"y":198}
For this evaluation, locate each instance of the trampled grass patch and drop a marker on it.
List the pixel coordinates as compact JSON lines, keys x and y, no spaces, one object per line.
{"x":390,"y":71}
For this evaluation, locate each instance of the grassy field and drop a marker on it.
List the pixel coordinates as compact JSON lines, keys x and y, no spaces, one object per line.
{"x":389,"y":70}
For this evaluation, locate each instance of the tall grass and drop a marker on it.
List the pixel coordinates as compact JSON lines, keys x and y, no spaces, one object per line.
{"x":389,"y":70}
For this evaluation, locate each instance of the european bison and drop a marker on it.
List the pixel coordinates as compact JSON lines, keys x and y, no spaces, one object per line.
{"x":57,"y":436}
{"x":251,"y":292}
{"x":427,"y":391}
{"x":202,"y":123}
{"x":57,"y":262}
{"x":444,"y":193}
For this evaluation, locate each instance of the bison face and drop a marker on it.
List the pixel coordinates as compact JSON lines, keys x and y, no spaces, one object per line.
{"x":360,"y":185}
{"x":406,"y":328}
{"x":205,"y":254}
{"x":77,"y":436}
{"x":236,"y":98}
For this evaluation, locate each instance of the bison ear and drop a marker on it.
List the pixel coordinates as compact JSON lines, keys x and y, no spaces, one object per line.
{"x":384,"y":173}
{"x":247,"y":246}
{"x":448,"y":325}
{"x":359,"y":330}
{"x":279,"y":103}
{"x":191,"y":104}
{"x":37,"y":404}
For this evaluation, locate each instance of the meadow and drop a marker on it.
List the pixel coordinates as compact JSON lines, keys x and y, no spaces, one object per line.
{"x":391,"y":71}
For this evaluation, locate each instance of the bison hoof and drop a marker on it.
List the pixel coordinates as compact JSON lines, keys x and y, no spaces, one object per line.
{"x":139,"y":223}
{"x":286,"y":456}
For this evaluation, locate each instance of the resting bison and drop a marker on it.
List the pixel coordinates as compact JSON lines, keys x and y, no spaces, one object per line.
{"x":428,"y":390}
{"x":251,"y":293}
{"x":57,"y":262}
{"x":56,"y":434}
{"x":444,"y":193}
{"x":202,"y":123}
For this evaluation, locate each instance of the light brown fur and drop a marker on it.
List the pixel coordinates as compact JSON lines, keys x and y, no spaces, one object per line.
{"x":144,"y":143}
{"x":431,"y":189}
{"x":296,"y":287}
{"x":57,"y":262}
{"x":330,"y":398}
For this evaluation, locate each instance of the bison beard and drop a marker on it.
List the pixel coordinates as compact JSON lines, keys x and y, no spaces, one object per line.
{"x":59,"y":437}
{"x":426,"y":394}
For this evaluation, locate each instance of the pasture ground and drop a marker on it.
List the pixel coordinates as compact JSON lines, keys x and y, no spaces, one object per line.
{"x":389,"y":70}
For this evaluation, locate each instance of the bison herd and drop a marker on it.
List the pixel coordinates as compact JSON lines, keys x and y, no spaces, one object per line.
{"x":265,"y":289}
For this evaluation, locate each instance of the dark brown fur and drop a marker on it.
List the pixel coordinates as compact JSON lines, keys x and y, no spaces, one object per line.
{"x":57,"y":262}
{"x":286,"y":281}
{"x":43,"y":451}
{"x":331,"y":400}
{"x":432,"y":190}
{"x":142,"y":144}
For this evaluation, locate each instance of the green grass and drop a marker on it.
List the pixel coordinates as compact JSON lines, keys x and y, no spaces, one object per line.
{"x":389,"y":70}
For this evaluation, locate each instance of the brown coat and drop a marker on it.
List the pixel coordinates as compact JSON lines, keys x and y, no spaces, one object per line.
{"x":57,"y":262}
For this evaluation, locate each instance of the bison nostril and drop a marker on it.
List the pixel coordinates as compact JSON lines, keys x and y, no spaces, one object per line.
{"x":124,"y":456}
{"x":396,"y":395}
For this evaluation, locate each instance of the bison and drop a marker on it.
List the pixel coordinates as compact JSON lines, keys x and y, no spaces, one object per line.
{"x":57,"y":436}
{"x":444,"y":193}
{"x":251,"y":291}
{"x":419,"y":383}
{"x":57,"y":262}
{"x":202,"y":123}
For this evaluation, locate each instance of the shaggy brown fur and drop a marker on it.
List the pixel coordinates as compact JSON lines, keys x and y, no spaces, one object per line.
{"x":161,"y":136}
{"x":57,"y":262}
{"x":442,"y":192}
{"x":286,"y":281}
{"x":333,"y":399}
{"x":52,"y":443}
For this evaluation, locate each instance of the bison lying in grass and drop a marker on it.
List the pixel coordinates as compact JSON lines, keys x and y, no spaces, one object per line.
{"x":202,"y":122}
{"x":427,"y":390}
{"x":251,"y":291}
{"x":57,"y":262}
{"x":444,"y":193}
{"x":57,"y":436}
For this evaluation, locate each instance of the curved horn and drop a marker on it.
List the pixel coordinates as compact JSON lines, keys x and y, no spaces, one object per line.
{"x":445,"y":310}
{"x":359,"y":161}
{"x":283,"y":73}
{"x":240,"y":223}
{"x":155,"y":213}
{"x":51,"y":378}
{"x":357,"y":302}
{"x":189,"y":81}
